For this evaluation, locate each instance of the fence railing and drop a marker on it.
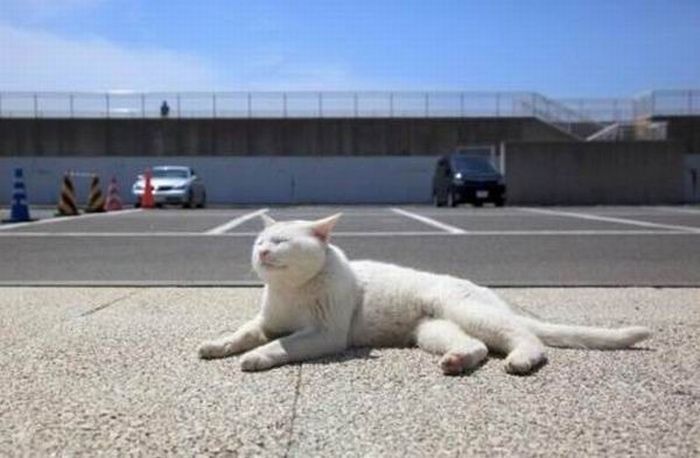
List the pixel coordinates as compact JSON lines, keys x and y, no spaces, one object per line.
{"x":264,"y":104}
{"x":576,"y":116}
{"x":605,"y":110}
{"x":683,"y":102}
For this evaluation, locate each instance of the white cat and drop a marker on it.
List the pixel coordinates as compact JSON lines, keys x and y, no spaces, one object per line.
{"x":316,"y":302}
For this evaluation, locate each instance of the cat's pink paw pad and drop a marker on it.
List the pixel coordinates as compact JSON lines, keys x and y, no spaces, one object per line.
{"x":454,"y":364}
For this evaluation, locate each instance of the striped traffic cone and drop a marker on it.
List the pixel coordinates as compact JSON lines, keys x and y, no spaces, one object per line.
{"x":20,"y":210}
{"x":114,"y":202}
{"x":96,"y":201}
{"x":66,"y":203}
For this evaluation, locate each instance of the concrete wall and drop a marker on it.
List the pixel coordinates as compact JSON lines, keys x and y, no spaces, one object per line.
{"x":684,"y":130}
{"x":242,"y":180}
{"x":594,"y":173}
{"x":536,"y":173}
{"x":692,"y":178}
{"x":261,"y":137}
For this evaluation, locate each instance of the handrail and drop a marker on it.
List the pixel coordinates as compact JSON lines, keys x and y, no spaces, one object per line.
{"x":564,"y":113}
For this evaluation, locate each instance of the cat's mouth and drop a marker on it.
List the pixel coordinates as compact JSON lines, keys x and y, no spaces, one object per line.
{"x":272,"y":266}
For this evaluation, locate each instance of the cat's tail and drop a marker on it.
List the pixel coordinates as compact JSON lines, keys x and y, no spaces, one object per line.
{"x":566,"y":336}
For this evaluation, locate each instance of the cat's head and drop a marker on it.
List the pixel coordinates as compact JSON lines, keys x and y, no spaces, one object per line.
{"x":291,"y":252}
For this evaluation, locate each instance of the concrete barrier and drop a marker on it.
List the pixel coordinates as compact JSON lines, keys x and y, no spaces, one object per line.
{"x":262,"y":137}
{"x":692,"y":178}
{"x":594,"y":173}
{"x":243,"y":180}
{"x":536,"y":173}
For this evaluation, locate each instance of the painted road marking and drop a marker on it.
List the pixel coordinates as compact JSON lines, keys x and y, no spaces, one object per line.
{"x":219,"y":230}
{"x":429,"y":221}
{"x":505,"y":233}
{"x":691,"y":211}
{"x":632,"y":222}
{"x":59,"y":219}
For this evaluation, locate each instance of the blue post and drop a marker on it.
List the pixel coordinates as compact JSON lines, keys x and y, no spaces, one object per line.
{"x":20,"y":210}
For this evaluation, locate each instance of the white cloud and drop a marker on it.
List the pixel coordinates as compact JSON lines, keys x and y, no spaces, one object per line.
{"x":34,"y":60}
{"x":32,"y":11}
{"x":285,"y":74}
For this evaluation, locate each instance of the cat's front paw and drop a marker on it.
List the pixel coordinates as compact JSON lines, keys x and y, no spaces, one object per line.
{"x":256,"y":361}
{"x":211,"y":350}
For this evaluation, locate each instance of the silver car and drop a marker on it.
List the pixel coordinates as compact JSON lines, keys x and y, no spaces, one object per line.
{"x":172,"y":184}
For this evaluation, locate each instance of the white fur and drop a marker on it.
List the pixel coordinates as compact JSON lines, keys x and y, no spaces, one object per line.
{"x":315,"y":302}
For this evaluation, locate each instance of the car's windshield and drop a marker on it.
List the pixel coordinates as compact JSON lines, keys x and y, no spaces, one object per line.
{"x":473,"y":165}
{"x":169,"y":173}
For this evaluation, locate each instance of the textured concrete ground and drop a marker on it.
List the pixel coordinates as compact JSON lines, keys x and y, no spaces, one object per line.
{"x":115,"y":370}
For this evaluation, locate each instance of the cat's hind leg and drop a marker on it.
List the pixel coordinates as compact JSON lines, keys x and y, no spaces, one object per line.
{"x":459,"y":351}
{"x":502,"y":332}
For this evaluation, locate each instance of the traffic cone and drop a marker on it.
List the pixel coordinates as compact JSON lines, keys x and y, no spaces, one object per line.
{"x":96,"y":201}
{"x":66,"y":203}
{"x":147,"y":197}
{"x":114,"y":202}
{"x":20,"y":210}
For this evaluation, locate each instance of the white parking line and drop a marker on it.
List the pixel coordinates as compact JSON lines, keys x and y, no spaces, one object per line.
{"x":506,"y":233}
{"x":691,"y":211}
{"x":59,"y":219}
{"x":218,"y":230}
{"x":429,"y":221}
{"x":632,"y":222}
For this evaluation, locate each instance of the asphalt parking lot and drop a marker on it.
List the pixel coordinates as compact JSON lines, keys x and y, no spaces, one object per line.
{"x":513,"y":246}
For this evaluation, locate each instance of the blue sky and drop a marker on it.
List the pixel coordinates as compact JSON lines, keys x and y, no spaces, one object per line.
{"x":559,"y":48}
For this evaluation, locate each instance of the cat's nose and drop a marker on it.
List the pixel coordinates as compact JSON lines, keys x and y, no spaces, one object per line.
{"x":262,"y":254}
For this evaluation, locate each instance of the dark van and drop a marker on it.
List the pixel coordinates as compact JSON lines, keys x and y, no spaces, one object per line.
{"x":462,"y":178}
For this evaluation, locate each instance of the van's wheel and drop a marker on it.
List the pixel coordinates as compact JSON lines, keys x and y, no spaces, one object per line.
{"x":451,"y":202}
{"x":500,"y":202}
{"x":436,"y":201}
{"x":478,"y":203}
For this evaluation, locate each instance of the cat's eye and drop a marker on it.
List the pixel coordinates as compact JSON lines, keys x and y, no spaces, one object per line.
{"x":278,"y":240}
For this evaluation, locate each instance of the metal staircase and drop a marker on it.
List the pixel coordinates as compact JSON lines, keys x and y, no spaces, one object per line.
{"x":561,"y":117}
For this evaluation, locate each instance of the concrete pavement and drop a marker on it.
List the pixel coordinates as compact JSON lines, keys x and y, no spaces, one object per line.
{"x":115,"y":370}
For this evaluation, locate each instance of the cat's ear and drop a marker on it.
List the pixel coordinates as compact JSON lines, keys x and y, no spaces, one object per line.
{"x":267,"y":219}
{"x":322,"y":228}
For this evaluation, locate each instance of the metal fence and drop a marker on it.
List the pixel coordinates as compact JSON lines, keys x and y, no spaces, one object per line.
{"x":684,"y":102}
{"x":603,"y":109}
{"x":276,"y":104}
{"x":345,"y":104}
{"x":669,"y":103}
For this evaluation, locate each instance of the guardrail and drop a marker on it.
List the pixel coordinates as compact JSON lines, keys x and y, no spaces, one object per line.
{"x":604,"y":109}
{"x":579,"y":117}
{"x":264,"y":104}
{"x":684,"y":102}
